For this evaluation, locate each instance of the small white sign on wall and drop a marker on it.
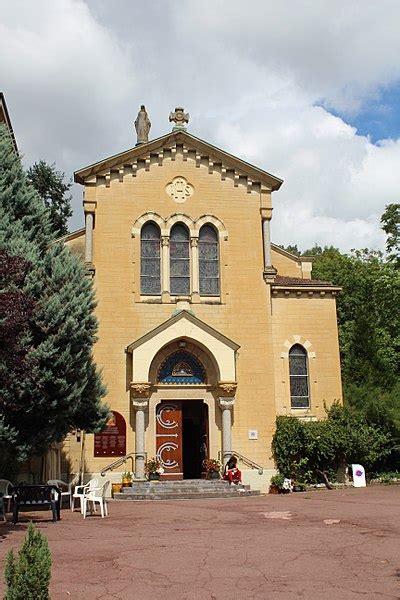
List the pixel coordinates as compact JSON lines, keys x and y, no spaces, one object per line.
{"x":358,"y":476}
{"x":253,"y":434}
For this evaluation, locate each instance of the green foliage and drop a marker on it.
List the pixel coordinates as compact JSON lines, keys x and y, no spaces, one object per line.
{"x":302,"y":448}
{"x":27,"y":576}
{"x":278,"y":480}
{"x":390,"y":221}
{"x":62,"y":389}
{"x":369,"y":324}
{"x":51,"y":187}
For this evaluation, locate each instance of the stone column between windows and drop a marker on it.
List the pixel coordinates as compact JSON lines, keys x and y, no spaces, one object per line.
{"x":165,"y":283}
{"x":89,"y":208}
{"x":267,"y":244}
{"x":194,"y":264}
{"x":226,"y":406}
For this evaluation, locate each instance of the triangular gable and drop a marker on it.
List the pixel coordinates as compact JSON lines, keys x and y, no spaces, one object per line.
{"x":184,"y":325}
{"x":153,"y":150}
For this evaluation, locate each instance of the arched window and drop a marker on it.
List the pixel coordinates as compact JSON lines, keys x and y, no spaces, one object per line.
{"x":208,"y":261}
{"x":181,"y":368}
{"x":298,"y":370}
{"x":150,"y":282}
{"x":179,"y":253}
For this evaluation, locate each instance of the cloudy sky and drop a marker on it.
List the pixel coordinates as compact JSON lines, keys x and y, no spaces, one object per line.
{"x":309,"y":90}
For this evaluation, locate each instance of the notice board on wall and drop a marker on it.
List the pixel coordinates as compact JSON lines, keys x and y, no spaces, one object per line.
{"x":112,"y":441}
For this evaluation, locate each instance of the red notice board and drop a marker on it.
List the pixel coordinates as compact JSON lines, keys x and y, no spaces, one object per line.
{"x":111,"y":441}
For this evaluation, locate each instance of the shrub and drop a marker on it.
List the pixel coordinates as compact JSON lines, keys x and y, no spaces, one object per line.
{"x":28,"y":575}
{"x":304,"y":449}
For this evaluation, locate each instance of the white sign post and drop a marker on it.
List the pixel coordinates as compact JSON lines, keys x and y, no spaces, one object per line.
{"x":358,"y":476}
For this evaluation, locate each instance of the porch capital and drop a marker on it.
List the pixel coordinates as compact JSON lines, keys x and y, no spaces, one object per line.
{"x":227,"y":388}
{"x":140,"y":389}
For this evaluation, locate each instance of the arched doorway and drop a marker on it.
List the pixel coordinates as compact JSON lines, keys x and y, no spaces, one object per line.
{"x":181,"y":425}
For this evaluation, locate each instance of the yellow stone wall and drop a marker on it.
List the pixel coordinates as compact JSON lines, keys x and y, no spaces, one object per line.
{"x":244,"y":313}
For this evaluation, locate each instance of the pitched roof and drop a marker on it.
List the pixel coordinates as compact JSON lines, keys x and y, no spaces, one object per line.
{"x":5,"y":118}
{"x":288,"y":282}
{"x":170,"y":140}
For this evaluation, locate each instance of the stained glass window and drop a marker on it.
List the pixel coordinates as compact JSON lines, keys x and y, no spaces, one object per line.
{"x":298,"y":369}
{"x":179,"y":261}
{"x":208,"y":261}
{"x":182,"y":368}
{"x":150,"y":282}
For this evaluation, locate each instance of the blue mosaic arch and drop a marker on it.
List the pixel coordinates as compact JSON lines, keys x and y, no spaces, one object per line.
{"x":181,"y":368}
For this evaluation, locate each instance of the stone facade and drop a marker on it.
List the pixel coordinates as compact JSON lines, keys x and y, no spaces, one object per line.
{"x":242,"y":337}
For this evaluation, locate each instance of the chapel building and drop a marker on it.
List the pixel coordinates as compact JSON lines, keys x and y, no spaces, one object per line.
{"x":207,"y":330}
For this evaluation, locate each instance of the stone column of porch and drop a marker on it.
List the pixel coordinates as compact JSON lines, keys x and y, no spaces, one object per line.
{"x":140,"y":402}
{"x":226,"y":404}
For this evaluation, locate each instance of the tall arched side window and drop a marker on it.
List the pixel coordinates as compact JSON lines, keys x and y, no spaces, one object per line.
{"x":150,"y":283}
{"x":179,"y":253}
{"x":298,"y":370}
{"x":208,"y":261}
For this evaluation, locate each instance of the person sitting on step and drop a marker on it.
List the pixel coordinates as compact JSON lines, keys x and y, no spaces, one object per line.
{"x":231,"y":471}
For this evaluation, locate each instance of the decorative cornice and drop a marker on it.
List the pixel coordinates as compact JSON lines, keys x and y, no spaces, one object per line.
{"x":126,"y":163}
{"x":227,"y":388}
{"x":140,"y":389}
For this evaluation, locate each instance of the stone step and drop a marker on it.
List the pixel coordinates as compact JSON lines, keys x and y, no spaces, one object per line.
{"x":185,"y":495}
{"x":178,"y":488}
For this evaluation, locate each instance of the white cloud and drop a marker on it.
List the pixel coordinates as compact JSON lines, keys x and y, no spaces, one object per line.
{"x":251,"y":75}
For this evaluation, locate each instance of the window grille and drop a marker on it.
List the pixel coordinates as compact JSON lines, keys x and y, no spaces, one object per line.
{"x":298,"y":370}
{"x":208,"y":261}
{"x":150,"y":282}
{"x":179,"y":261}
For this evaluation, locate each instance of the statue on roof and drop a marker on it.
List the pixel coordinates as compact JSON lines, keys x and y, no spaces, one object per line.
{"x":179,"y":117}
{"x":142,"y":126}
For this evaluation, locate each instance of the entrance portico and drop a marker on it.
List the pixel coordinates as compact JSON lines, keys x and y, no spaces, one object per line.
{"x":180,"y":362}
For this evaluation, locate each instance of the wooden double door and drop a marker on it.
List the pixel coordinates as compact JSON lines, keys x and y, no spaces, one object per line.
{"x":182,"y":438}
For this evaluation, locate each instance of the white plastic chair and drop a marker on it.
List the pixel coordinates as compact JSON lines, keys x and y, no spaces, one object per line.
{"x":66,"y":488}
{"x":96,"y":495}
{"x":81,"y":490}
{"x":4,"y":488}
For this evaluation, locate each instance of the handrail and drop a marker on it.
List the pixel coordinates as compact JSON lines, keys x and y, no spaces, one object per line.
{"x":244,"y":459}
{"x":122,"y":460}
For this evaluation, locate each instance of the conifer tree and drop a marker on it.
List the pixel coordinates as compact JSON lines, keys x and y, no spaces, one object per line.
{"x":63,"y":389}
{"x":51,"y":187}
{"x":28,"y":574}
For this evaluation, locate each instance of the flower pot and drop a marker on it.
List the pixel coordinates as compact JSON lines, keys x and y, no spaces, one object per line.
{"x":213,"y":475}
{"x":154,"y":477}
{"x":273,"y":489}
{"x":116,"y":488}
{"x":126,"y":483}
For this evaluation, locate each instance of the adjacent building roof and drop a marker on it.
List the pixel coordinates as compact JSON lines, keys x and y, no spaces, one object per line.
{"x":5,"y":118}
{"x":172,"y":139}
{"x":281,"y":281}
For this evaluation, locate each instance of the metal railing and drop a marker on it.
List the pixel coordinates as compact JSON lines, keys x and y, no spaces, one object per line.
{"x":223,"y":456}
{"x":123,"y":460}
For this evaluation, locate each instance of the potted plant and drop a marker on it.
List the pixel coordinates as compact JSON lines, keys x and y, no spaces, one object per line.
{"x":276,"y":485}
{"x":116,"y":488}
{"x":126,"y":479}
{"x":212,"y":467}
{"x":153,"y":469}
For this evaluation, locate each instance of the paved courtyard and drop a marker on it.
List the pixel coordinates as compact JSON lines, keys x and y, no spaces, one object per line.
{"x":320,"y":545}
